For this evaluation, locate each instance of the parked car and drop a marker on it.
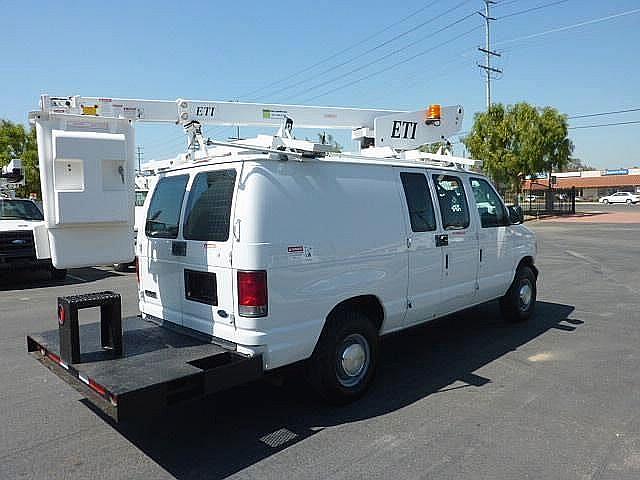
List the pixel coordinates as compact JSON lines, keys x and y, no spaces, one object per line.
{"x":528,"y":198}
{"x":621,"y":197}
{"x":18,"y":218}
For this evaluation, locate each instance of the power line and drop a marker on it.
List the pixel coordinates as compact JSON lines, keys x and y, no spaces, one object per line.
{"x":378,"y":72}
{"x":614,"y":112}
{"x":504,"y":4}
{"x":605,"y":125}
{"x":532,"y":9}
{"x":384,"y":57}
{"x":370,"y":50}
{"x":344,"y":50}
{"x":570,"y":27}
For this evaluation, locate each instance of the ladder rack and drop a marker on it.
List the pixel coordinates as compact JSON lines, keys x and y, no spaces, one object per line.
{"x":369,"y":155}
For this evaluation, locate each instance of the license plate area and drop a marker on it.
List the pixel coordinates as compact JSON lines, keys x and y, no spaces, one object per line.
{"x":201,"y":287}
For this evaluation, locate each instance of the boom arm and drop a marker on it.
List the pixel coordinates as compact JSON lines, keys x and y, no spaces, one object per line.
{"x":400,"y":130}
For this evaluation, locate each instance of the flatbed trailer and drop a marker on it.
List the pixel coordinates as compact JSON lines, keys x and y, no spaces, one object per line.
{"x":158,"y":366}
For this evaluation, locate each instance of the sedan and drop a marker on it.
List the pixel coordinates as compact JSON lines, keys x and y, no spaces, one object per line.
{"x":621,"y":197}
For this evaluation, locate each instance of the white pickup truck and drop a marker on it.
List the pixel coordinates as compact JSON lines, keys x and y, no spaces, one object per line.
{"x":18,"y":217}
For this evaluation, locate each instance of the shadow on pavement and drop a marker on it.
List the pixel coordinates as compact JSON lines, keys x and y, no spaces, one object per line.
{"x":238,"y":428}
{"x":28,"y":279}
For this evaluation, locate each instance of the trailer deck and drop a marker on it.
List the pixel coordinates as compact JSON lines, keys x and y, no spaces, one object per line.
{"x":159,"y":367}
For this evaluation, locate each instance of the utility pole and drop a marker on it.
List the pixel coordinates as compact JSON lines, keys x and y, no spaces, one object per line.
{"x":139,"y":154}
{"x":487,"y":48}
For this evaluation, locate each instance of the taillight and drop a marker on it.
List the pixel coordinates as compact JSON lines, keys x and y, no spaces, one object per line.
{"x":252,"y":293}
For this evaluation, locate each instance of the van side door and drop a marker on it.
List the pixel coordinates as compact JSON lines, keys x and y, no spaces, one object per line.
{"x":495,"y":241}
{"x":425,"y":259}
{"x":457,"y":239}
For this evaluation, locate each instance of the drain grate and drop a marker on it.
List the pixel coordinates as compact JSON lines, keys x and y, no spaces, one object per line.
{"x":278,"y":438}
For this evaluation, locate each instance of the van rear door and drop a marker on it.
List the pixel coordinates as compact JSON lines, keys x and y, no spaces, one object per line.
{"x":160,"y":259}
{"x":207,"y":231}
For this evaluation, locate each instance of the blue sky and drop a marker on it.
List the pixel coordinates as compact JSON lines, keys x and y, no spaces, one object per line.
{"x":228,"y":50}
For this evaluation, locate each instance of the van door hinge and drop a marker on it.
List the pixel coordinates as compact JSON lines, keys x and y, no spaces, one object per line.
{"x":408,"y":242}
{"x":409,"y":304}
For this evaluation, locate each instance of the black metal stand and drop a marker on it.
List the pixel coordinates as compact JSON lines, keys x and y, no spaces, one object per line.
{"x":110,"y":323}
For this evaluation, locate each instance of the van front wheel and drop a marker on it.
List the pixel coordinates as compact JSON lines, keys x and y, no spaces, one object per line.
{"x":518,"y":303}
{"x":344,"y":361}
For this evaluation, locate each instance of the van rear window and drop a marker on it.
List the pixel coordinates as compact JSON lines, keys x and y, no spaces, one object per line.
{"x":164,"y":210}
{"x":208,"y":210}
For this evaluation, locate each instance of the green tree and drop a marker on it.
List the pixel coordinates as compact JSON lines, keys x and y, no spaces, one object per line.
{"x":433,"y":147}
{"x":556,"y":145}
{"x":490,"y":141}
{"x":519,"y":140}
{"x":17,"y":142}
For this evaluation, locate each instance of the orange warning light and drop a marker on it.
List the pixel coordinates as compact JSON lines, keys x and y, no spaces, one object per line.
{"x":432,"y":116}
{"x":89,"y":110}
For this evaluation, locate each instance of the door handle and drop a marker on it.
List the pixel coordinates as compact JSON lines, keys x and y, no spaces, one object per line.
{"x":442,"y":240}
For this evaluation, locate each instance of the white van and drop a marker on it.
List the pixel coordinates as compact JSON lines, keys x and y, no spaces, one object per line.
{"x":317,"y":259}
{"x":269,"y":251}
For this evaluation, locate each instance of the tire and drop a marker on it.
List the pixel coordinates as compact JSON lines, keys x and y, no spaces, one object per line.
{"x":518,"y":304}
{"x":605,"y":201}
{"x":344,"y":361}
{"x":628,"y":201}
{"x":58,"y":273}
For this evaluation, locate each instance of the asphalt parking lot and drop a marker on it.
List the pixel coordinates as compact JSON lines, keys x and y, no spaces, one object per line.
{"x":467,"y":397}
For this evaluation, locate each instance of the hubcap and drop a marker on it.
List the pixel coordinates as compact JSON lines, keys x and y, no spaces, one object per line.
{"x":353,"y":360}
{"x":525,"y":295}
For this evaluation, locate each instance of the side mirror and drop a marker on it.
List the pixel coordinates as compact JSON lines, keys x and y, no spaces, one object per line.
{"x":515,"y":214}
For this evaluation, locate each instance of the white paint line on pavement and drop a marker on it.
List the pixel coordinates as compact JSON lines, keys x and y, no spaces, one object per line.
{"x":582,"y":257}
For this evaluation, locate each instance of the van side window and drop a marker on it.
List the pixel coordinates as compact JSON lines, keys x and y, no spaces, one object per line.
{"x":416,"y":191}
{"x":164,"y":209}
{"x":208,"y":212}
{"x":453,"y":202}
{"x":490,"y":208}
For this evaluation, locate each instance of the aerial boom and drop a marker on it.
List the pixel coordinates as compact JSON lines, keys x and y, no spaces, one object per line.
{"x":401,"y":130}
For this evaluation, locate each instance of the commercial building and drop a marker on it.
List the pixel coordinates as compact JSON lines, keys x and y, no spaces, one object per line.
{"x":591,"y":184}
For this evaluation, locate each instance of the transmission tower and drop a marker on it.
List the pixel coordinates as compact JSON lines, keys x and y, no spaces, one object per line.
{"x":139,"y":154}
{"x":489,"y":70}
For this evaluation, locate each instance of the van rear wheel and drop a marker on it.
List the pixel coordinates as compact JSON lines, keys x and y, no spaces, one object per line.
{"x":344,"y":361}
{"x":518,"y":303}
